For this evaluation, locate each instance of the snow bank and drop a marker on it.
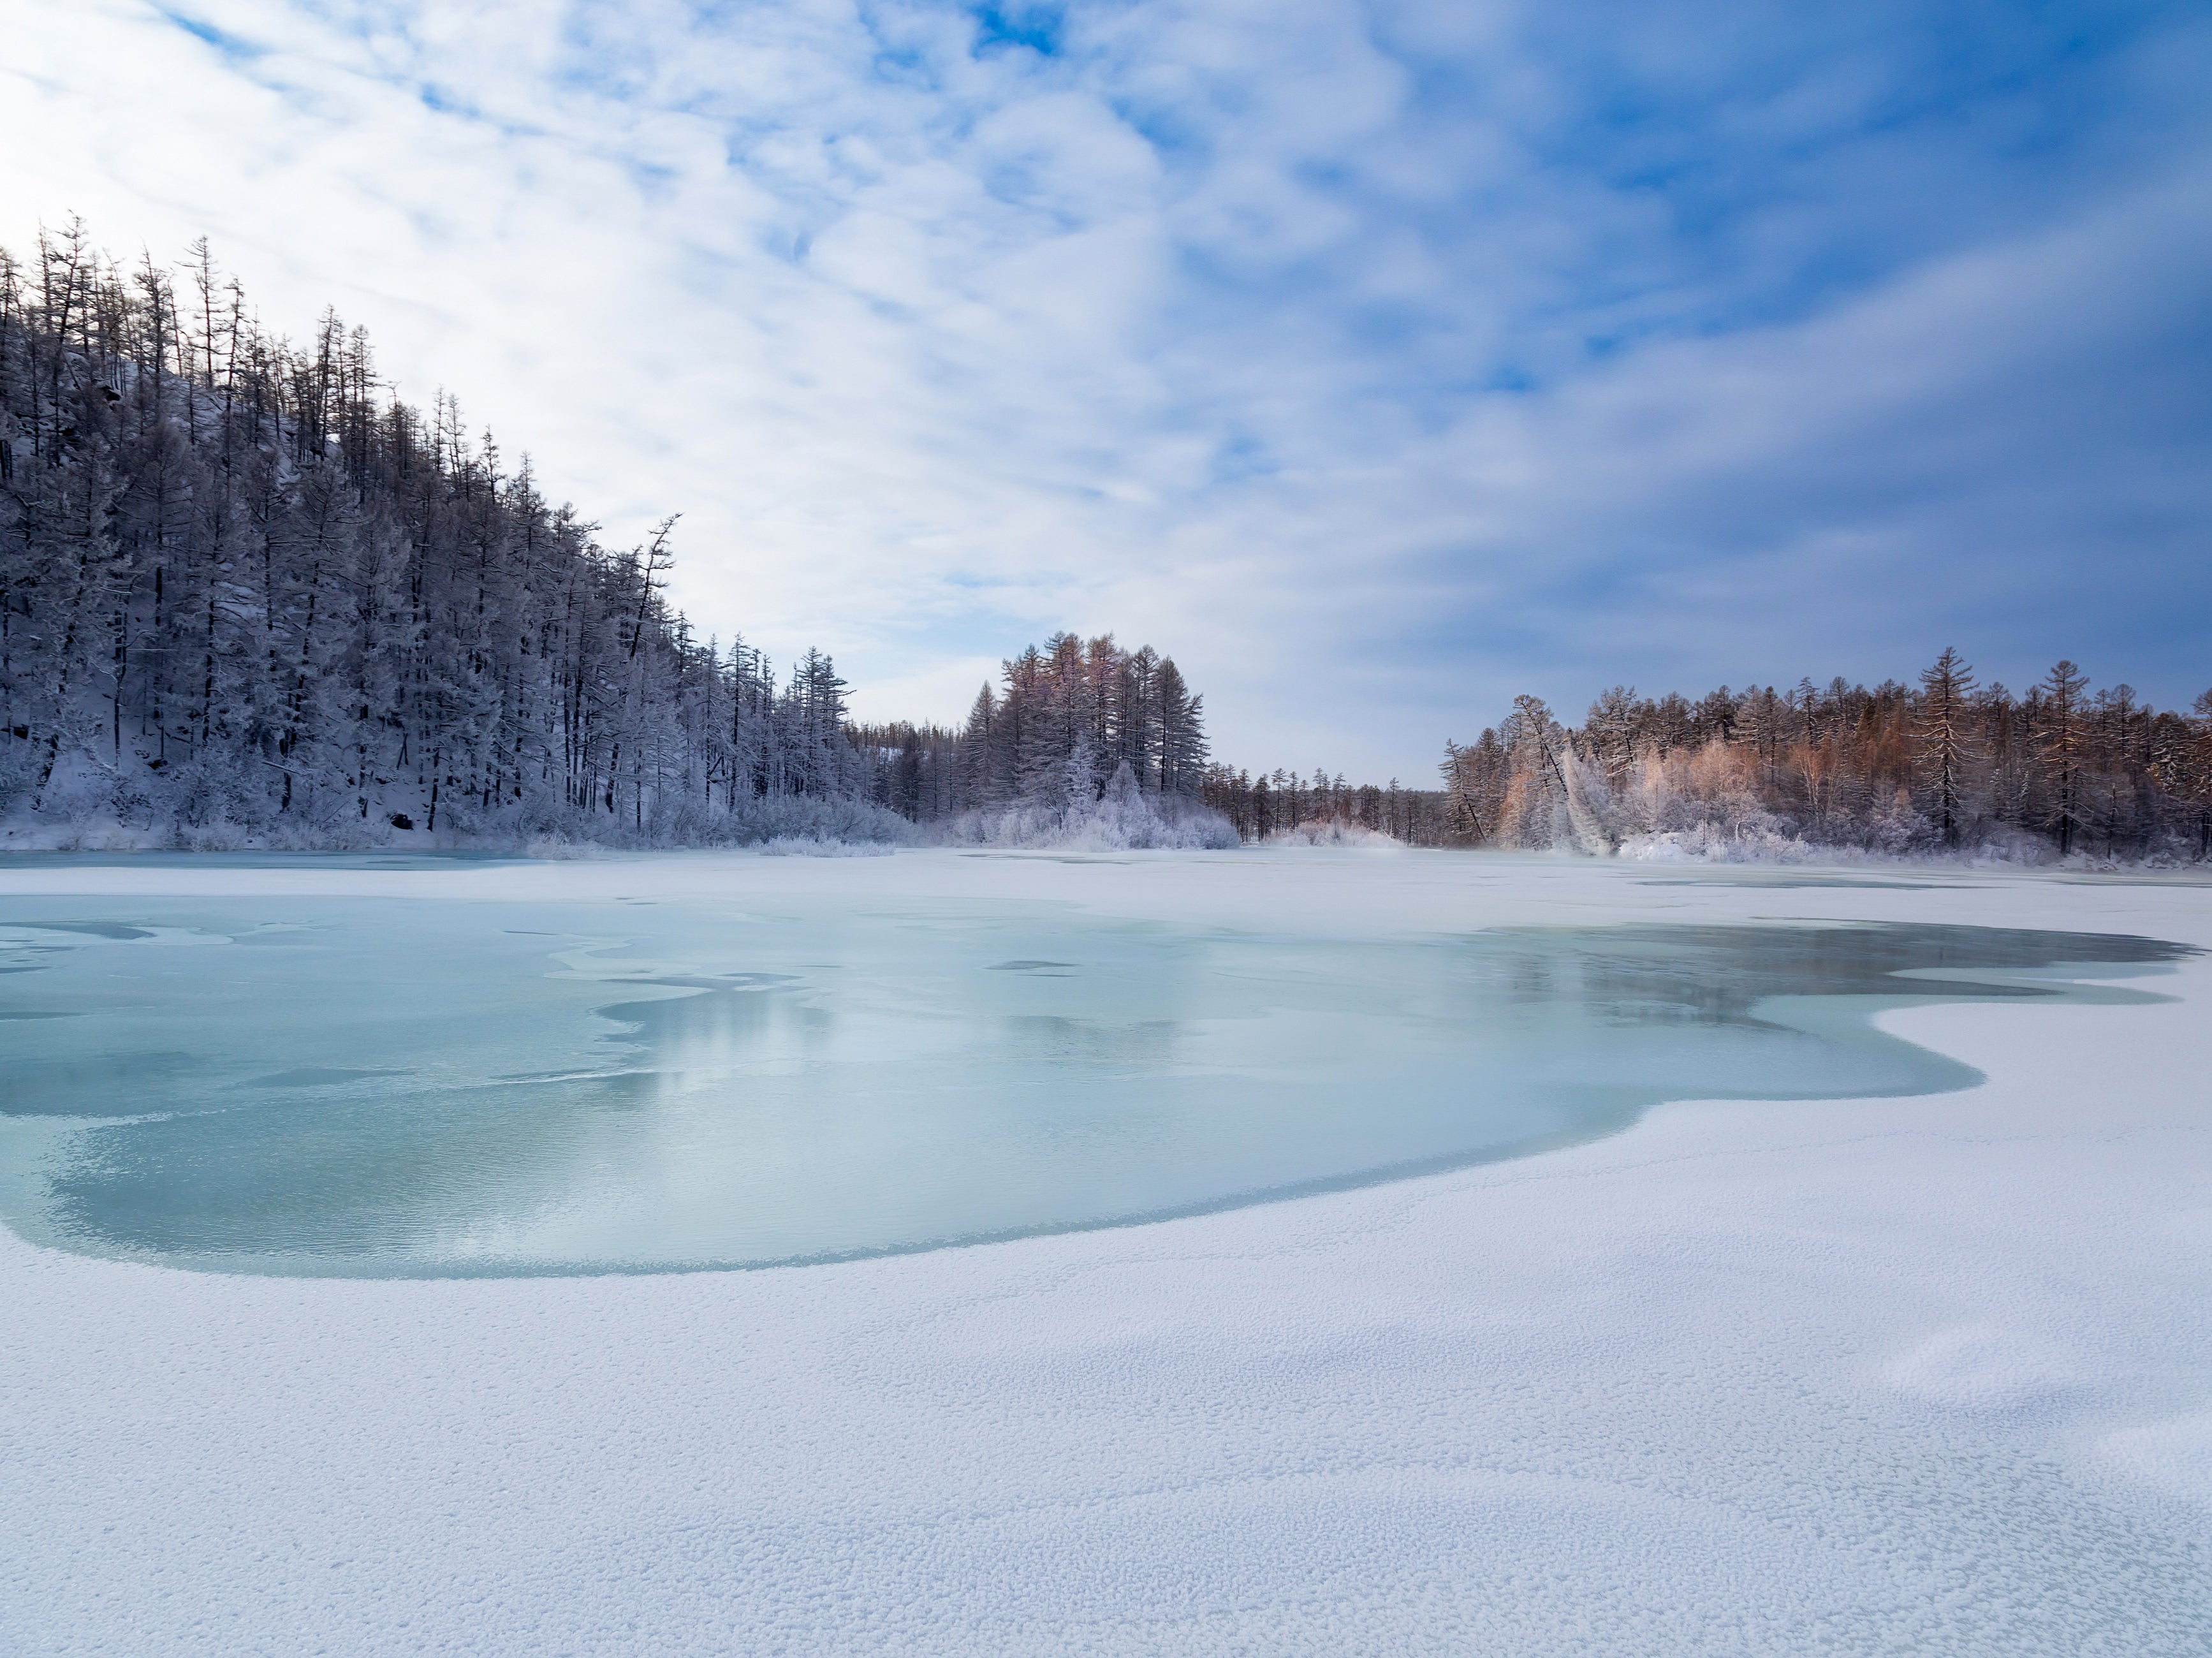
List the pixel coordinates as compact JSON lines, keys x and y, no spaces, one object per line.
{"x":535,"y":833}
{"x":1716,"y":843}
{"x":1712,"y":843}
{"x":1924,"y":1375}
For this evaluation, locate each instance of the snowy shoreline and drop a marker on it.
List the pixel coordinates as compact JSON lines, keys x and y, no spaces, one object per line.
{"x":1923,"y":1374}
{"x":1112,"y":827}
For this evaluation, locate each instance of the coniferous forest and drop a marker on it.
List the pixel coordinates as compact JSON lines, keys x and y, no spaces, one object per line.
{"x":248,"y":595}
{"x":1946,"y":764}
{"x":245,"y":592}
{"x":1081,"y":733}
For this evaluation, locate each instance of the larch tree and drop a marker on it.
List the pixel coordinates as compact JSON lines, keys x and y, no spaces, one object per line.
{"x":1943,"y":737}
{"x":2063,"y":741}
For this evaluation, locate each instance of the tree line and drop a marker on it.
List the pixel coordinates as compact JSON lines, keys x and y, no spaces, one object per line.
{"x":1280,"y":804}
{"x":244,"y":590}
{"x":1945,"y":763}
{"x":240,"y":586}
{"x":1064,"y":719}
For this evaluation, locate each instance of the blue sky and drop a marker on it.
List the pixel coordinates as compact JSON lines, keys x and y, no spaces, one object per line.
{"x":1377,"y":361}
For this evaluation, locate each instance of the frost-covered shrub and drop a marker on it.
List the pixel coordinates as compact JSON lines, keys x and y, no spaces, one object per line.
{"x":1899,"y":827}
{"x":815,"y":817}
{"x":558,"y":848}
{"x":1122,"y":819}
{"x":213,"y":835}
{"x":1709,"y":843}
{"x":795,"y":846}
{"x":1333,"y":832}
{"x":78,"y":790}
{"x":546,"y":829}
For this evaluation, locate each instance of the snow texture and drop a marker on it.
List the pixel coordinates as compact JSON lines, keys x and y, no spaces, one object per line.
{"x":1927,"y":1375}
{"x":777,"y":819}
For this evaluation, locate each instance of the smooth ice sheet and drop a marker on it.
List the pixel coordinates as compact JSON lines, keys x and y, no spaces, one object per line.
{"x":401,"y":1085}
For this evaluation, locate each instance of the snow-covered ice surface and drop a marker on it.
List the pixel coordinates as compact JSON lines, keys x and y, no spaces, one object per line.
{"x":380,"y":1085}
{"x":1924,"y":1373}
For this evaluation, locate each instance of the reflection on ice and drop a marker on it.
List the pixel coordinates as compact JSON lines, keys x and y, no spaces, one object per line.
{"x":384,"y":1087}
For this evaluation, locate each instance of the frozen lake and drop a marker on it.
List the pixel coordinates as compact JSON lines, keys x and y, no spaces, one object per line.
{"x":427,"y":1083}
{"x":1774,"y":1369}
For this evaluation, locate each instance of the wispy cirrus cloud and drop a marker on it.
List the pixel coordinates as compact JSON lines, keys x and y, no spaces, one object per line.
{"x":1379,"y":360}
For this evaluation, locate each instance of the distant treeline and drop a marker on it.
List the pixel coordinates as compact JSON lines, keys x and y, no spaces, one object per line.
{"x":1066,"y":718}
{"x":1061,"y":723}
{"x":1273,"y":804}
{"x":1944,"y":763}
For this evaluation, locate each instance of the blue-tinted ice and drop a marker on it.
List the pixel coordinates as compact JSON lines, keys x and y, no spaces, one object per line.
{"x":388,"y":1086}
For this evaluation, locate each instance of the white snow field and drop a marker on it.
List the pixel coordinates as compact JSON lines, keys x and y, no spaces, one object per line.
{"x":1925,"y":1373}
